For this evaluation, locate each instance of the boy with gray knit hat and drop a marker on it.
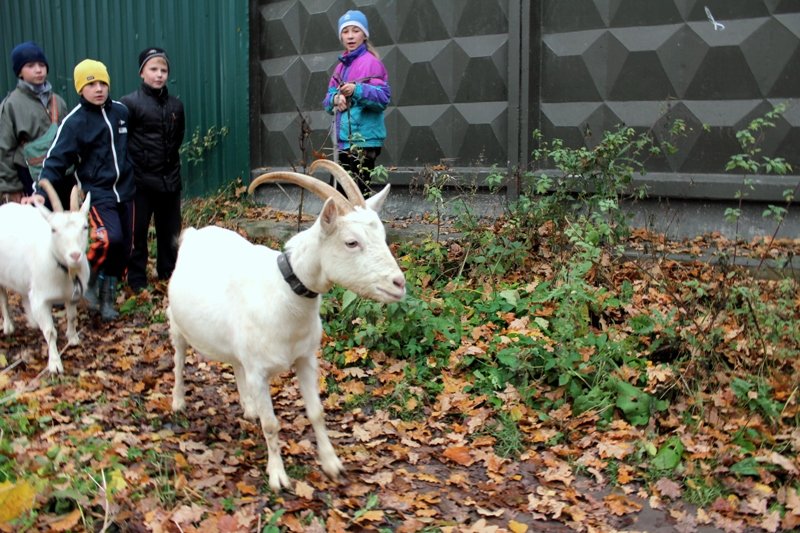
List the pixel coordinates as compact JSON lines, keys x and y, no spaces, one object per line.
{"x":25,"y":115}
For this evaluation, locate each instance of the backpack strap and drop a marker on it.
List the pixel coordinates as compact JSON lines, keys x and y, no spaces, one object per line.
{"x":53,"y":109}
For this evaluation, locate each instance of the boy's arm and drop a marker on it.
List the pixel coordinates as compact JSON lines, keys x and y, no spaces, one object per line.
{"x":62,"y":155}
{"x":8,"y":143}
{"x":181,"y":127}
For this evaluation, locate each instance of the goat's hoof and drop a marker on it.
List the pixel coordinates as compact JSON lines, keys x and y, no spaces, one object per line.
{"x":178,"y":405}
{"x":8,"y":330}
{"x":75,"y":340}
{"x":278,"y":481}
{"x":333,"y":468}
{"x":55,"y":367}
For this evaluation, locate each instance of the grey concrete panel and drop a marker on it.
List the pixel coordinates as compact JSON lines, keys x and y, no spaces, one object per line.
{"x":471,"y":79}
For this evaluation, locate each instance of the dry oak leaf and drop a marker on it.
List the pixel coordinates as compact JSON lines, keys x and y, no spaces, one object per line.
{"x":547,"y":505}
{"x":625,"y":474}
{"x":186,"y":514}
{"x":793,"y":501}
{"x":460,"y":455}
{"x":790,"y":522}
{"x":617,"y":450}
{"x":248,"y":490}
{"x":670,"y":489}
{"x":559,"y":472}
{"x":370,"y":516}
{"x":488,"y":512}
{"x":619,"y":505}
{"x":66,"y":522}
{"x":380,"y":478}
{"x":772,"y":522}
{"x":304,"y":490}
{"x":778,"y":459}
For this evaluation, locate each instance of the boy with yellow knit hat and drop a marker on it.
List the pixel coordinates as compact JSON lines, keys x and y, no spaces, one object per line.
{"x":94,"y":137}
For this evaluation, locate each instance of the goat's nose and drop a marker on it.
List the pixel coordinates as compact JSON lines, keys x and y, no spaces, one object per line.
{"x":76,"y":256}
{"x":399,"y":282}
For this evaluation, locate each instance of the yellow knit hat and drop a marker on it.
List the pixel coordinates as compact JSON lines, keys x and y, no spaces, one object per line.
{"x":89,"y":71}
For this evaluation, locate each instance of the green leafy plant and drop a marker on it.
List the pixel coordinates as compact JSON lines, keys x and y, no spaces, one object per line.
{"x":756,"y":395}
{"x":197,"y":148}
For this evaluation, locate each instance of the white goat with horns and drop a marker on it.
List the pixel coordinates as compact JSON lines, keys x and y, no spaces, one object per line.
{"x":43,"y":258}
{"x":258,"y":309}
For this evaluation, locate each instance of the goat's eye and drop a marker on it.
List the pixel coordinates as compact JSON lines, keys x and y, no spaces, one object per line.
{"x":351,"y":243}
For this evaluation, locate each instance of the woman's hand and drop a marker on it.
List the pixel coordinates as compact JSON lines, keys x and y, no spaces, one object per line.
{"x":340,"y":102}
{"x":347,"y":89}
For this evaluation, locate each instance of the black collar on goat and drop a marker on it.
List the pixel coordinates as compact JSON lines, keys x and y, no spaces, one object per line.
{"x":291,"y":278}
{"x":77,"y":286}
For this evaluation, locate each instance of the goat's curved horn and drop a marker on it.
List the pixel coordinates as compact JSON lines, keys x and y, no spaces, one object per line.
{"x":321,"y":189}
{"x":75,"y":198}
{"x":343,"y":177}
{"x":47,"y":187}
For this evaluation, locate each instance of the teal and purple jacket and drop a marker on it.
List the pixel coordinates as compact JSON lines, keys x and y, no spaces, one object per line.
{"x":362,"y":124}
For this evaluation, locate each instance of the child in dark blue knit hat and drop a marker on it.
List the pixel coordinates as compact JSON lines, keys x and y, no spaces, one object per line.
{"x":25,"y":115}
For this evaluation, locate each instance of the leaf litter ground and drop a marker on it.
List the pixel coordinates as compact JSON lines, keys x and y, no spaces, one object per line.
{"x":101,"y":449}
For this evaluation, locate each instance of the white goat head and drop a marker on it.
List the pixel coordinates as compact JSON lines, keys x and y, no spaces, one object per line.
{"x":351,"y":240}
{"x":69,"y":230}
{"x":258,"y":309}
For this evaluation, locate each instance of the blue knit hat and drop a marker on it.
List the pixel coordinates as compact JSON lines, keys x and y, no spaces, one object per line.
{"x":354,"y":18}
{"x":27,"y":52}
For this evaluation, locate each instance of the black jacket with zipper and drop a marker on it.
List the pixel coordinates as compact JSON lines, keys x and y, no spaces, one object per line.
{"x":94,"y":139}
{"x":156,"y":125}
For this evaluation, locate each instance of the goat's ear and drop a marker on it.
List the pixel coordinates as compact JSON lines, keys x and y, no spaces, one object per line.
{"x":87,"y":203}
{"x":375,"y":202}
{"x":328,"y":215}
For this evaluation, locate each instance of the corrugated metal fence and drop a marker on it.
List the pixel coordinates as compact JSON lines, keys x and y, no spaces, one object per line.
{"x":207,"y":42}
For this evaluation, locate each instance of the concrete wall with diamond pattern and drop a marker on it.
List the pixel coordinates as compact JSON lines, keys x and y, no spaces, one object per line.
{"x":472,"y":78}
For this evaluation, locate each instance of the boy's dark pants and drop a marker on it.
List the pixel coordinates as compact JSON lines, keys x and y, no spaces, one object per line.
{"x":111,"y":237}
{"x":165,"y":209}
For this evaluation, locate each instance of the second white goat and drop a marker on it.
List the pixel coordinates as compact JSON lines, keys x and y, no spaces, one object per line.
{"x":258,"y":309}
{"x":43,"y":258}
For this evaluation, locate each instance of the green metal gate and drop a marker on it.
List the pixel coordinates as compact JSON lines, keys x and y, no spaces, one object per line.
{"x":207,"y":42}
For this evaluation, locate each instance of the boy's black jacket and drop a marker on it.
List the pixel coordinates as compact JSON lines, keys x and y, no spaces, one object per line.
{"x":156,"y":128}
{"x":95,"y":140}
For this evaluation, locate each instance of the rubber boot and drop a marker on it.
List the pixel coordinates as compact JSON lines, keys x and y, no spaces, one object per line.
{"x":92,"y":292}
{"x":108,"y":299}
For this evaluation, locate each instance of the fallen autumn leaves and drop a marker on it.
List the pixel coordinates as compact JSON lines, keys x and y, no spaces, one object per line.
{"x":99,"y":447}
